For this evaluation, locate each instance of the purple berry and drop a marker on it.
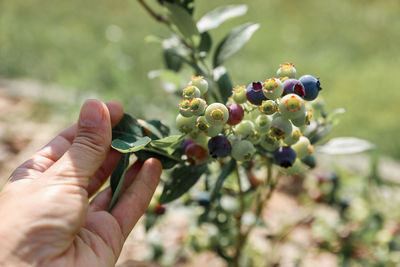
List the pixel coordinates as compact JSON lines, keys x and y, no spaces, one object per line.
{"x":311,"y":86}
{"x":236,"y":114}
{"x":285,"y":156}
{"x":254,"y":93}
{"x":196,"y":154}
{"x":187,"y":142}
{"x":219,"y":146}
{"x":293,"y":86}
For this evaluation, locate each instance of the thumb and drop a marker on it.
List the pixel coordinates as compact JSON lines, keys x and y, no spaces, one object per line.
{"x":89,"y":148}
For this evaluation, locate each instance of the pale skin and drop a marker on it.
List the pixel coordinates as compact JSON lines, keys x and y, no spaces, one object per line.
{"x":46,"y":217}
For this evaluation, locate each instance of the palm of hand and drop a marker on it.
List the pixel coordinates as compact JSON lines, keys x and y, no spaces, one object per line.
{"x":51,"y":222}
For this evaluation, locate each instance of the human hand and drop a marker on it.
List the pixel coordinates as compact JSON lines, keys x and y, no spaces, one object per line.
{"x":46,"y":217}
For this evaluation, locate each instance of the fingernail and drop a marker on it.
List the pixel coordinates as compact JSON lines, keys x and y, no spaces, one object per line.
{"x":91,"y":113}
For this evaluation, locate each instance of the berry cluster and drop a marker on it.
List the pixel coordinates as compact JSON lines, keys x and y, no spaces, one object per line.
{"x":264,"y":116}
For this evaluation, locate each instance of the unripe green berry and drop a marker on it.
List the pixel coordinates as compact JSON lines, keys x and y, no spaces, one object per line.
{"x":243,"y":150}
{"x":245,"y":128}
{"x":293,"y":137}
{"x":291,"y":106}
{"x":239,"y":94}
{"x":254,"y":137}
{"x":269,"y":143}
{"x":286,"y":69}
{"x":268,"y":107}
{"x":185,"y":124}
{"x":280,"y":128}
{"x":197,"y":106}
{"x":302,"y":147}
{"x":272,"y":88}
{"x":210,"y":130}
{"x":217,"y":114}
{"x":262,"y":123}
{"x":190,"y":92}
{"x":304,"y":119}
{"x":200,"y":83}
{"x":184,"y":108}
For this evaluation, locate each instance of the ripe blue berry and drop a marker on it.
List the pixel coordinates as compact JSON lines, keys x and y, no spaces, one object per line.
{"x":203,"y":199}
{"x":217,"y":114}
{"x":293,"y":86}
{"x":272,"y":88}
{"x":286,"y":70}
{"x":200,"y":83}
{"x":291,"y":106}
{"x":219,"y":147}
{"x":243,"y":150}
{"x":254,"y":93}
{"x":236,"y":114}
{"x":311,"y":86}
{"x":239,"y":94}
{"x":285,"y":156}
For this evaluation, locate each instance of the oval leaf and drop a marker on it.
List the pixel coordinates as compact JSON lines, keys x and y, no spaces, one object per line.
{"x":184,"y":22}
{"x":345,"y":145}
{"x":117,"y":179}
{"x":226,"y":170}
{"x":214,"y":18}
{"x":171,"y":62}
{"x":224,"y":82}
{"x":205,"y":42}
{"x":233,"y":42}
{"x":129,"y":144}
{"x":180,"y":181}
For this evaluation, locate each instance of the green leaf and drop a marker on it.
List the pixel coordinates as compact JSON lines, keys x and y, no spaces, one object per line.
{"x":227,"y":169}
{"x":162,"y":128}
{"x":117,"y":179}
{"x":130,"y":144}
{"x":195,"y":67}
{"x":205,"y":42}
{"x":184,"y":22}
{"x":224,"y":82}
{"x":168,"y":142}
{"x":233,"y":42}
{"x":171,"y":62}
{"x":214,"y":18}
{"x":167,"y":161}
{"x":127,"y":126}
{"x":180,"y":181}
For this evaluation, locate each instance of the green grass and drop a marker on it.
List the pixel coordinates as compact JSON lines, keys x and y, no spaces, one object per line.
{"x":352,"y":45}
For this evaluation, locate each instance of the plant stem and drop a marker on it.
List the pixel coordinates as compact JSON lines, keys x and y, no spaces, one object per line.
{"x":152,"y":13}
{"x":240,"y":237}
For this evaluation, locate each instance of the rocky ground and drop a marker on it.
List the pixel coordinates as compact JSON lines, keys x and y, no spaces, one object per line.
{"x":31,"y":115}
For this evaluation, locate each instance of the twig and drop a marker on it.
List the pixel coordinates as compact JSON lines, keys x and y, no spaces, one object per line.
{"x":152,"y":13}
{"x":240,"y":236}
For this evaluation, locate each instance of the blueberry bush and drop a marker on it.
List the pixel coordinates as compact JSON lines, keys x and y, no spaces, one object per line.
{"x":235,"y":140}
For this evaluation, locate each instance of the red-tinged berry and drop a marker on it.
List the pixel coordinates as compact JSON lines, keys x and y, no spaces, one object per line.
{"x":219,"y":147}
{"x":268,"y":107}
{"x":239,"y":94}
{"x":312,"y":86}
{"x":217,"y":114}
{"x":187,"y":142}
{"x":159,"y":209}
{"x":291,"y":106}
{"x":254,"y":93}
{"x":200,"y":83}
{"x":236,"y":114}
{"x":286,"y":70}
{"x":272,"y":88}
{"x":285,"y":156}
{"x":196,"y":154}
{"x":254,"y":180}
{"x":293,"y":86}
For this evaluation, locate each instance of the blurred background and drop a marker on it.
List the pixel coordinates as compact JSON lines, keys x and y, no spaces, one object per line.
{"x":98,"y":48}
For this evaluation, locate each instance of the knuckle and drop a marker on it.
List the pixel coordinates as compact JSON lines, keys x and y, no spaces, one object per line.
{"x":95,"y":142}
